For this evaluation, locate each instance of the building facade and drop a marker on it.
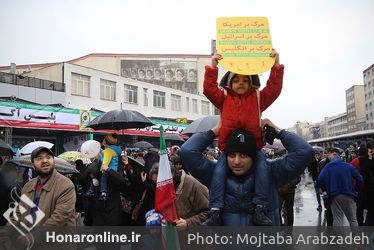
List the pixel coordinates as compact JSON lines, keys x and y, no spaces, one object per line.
{"x":337,"y":125}
{"x":355,"y":104}
{"x":368,"y":75}
{"x":161,"y":86}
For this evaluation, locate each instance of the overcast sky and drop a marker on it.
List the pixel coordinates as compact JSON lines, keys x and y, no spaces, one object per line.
{"x":324,"y":44}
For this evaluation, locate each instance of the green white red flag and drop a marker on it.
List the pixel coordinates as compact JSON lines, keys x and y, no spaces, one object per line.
{"x":165,"y":192}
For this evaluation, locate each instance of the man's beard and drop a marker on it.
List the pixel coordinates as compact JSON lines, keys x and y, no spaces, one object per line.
{"x":44,"y":174}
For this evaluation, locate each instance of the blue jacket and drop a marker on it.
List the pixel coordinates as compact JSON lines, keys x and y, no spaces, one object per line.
{"x":239,"y":190}
{"x":336,"y":178}
{"x":114,"y":162}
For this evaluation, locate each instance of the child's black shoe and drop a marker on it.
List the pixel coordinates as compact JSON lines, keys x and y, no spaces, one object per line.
{"x":102,"y":196}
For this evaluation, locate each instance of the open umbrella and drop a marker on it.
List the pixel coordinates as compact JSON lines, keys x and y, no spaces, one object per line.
{"x":61,"y":165}
{"x":137,"y":165}
{"x":202,"y":124}
{"x":173,"y":137}
{"x":120,"y":119}
{"x":142,"y":144}
{"x":72,"y":156}
{"x":29,"y":147}
{"x":5,"y":149}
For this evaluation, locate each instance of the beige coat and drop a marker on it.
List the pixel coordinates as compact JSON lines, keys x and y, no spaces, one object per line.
{"x":57,"y":200}
{"x":192,"y":200}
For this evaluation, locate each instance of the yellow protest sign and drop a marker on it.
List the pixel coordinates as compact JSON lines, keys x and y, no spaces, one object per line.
{"x":245,"y":44}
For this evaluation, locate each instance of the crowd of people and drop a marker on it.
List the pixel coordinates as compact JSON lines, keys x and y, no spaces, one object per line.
{"x":344,"y":182}
{"x":242,"y":186}
{"x":107,"y":191}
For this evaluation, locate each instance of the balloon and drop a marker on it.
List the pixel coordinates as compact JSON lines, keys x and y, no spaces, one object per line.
{"x":90,"y":148}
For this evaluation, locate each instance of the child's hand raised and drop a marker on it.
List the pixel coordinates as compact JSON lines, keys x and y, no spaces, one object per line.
{"x":217,"y":128}
{"x":275,"y":54}
{"x":215,"y":59}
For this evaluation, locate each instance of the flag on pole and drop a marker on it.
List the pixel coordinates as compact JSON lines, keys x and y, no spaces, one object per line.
{"x":165,"y":192}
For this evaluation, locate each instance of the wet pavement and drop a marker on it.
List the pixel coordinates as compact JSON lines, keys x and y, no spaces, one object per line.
{"x":305,"y":206}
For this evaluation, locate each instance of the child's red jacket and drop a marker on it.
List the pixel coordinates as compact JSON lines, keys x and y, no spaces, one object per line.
{"x":242,"y":111}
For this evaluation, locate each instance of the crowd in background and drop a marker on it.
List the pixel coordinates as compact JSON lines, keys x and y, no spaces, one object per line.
{"x":135,"y":182}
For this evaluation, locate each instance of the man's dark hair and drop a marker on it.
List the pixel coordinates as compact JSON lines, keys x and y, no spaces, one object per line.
{"x":333,"y":150}
{"x":370,"y":144}
{"x":362,"y":150}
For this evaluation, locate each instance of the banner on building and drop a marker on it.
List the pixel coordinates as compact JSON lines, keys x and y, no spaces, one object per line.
{"x":35,"y":116}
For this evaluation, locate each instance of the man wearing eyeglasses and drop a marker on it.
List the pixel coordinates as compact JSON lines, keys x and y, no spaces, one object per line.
{"x":46,"y":200}
{"x":51,"y":192}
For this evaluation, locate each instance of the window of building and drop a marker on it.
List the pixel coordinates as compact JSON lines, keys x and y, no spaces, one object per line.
{"x":204,"y":108}
{"x":158,"y":99}
{"x":176,"y":102}
{"x":145,"y":96}
{"x":194,"y":106}
{"x":131,"y":94}
{"x":107,"y":90}
{"x":80,"y":84}
{"x":187,"y":104}
{"x":216,"y":111}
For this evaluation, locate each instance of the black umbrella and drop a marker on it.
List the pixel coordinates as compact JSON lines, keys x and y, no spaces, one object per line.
{"x":142,"y":144}
{"x":172,"y":137}
{"x":201,"y":125}
{"x":137,"y":165}
{"x":5,"y":149}
{"x":120,"y":119}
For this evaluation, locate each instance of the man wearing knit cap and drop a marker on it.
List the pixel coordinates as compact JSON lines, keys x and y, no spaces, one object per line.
{"x":243,"y":162}
{"x":241,"y":106}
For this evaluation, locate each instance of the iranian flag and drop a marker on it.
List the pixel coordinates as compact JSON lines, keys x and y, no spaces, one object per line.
{"x":165,"y":192}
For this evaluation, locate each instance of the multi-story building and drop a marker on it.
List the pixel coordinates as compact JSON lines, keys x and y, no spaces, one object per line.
{"x":355,"y":107}
{"x":337,"y":125}
{"x":369,"y":96}
{"x":163,"y":86}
